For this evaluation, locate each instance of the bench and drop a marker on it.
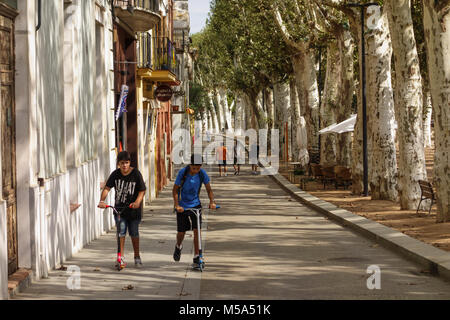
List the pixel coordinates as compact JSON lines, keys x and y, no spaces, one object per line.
{"x":427,"y":192}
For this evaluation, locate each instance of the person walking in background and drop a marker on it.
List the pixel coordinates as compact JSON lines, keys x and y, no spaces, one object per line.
{"x":254,"y":150}
{"x":221,"y":154}
{"x":236,"y":165}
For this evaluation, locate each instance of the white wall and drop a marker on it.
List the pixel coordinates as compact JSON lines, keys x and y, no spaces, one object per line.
{"x":55,"y":97}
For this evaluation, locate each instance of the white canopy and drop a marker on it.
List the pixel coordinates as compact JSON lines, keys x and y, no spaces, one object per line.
{"x":345,"y":126}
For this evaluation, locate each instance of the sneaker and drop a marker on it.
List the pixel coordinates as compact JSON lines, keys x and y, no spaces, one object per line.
{"x":196,"y":261}
{"x":138,"y":262}
{"x":122,"y":264}
{"x":177,"y":253}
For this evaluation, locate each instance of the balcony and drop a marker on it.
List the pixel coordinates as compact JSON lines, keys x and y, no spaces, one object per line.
{"x":139,"y":15}
{"x":144,"y":51}
{"x":165,"y":55}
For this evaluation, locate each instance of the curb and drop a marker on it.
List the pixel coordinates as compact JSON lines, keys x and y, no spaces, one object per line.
{"x":436,"y":261}
{"x":19,"y":281}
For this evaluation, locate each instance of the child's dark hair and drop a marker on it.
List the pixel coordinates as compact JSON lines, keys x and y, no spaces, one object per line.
{"x":196,"y":162}
{"x":123,"y":156}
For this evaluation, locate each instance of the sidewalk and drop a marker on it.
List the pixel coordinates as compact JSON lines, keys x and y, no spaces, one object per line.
{"x":420,"y":226}
{"x":262,"y":244}
{"x":160,"y":277}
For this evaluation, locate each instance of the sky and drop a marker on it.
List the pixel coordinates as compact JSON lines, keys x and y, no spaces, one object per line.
{"x":198,"y":11}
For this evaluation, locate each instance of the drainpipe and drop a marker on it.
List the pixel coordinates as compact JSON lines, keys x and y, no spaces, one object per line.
{"x":39,"y":15}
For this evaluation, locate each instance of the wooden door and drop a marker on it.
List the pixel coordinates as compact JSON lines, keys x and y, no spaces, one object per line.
{"x":7,"y":123}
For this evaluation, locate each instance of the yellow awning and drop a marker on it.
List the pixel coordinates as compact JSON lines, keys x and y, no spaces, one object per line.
{"x":159,"y":76}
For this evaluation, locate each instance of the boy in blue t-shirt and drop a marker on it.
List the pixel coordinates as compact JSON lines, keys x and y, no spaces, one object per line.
{"x":187,"y":185}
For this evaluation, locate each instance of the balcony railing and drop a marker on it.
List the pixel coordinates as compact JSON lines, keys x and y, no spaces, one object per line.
{"x":139,"y":15}
{"x":144,"y":50}
{"x":150,"y":5}
{"x":165,"y":55}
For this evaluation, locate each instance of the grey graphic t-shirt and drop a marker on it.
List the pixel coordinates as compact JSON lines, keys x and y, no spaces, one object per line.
{"x":127,"y":189}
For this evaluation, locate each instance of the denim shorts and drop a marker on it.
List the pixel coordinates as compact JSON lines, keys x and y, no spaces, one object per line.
{"x":132,"y":225}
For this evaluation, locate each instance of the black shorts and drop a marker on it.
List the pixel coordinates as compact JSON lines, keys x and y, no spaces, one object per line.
{"x":187,"y":220}
{"x":222,"y":163}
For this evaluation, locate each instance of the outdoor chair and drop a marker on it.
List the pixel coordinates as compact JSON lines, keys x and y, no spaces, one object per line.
{"x":328,"y":175}
{"x":343,"y":176}
{"x":316,"y":171}
{"x":427,"y":192}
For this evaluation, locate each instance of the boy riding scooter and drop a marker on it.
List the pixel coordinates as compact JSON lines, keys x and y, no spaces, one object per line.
{"x":186,"y":195}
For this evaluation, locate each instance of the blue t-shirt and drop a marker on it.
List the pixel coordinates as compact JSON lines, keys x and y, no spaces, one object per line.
{"x":189,"y":191}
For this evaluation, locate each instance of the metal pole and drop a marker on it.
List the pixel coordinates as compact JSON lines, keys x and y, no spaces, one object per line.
{"x":364,"y":111}
{"x":364,"y":98}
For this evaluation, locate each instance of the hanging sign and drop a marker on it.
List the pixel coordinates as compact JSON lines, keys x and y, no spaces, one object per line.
{"x":163,"y":93}
{"x":122,"y":107}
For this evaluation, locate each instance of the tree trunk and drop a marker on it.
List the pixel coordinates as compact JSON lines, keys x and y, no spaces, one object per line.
{"x":224,"y":108}
{"x":262,"y":119}
{"x":295,"y":121}
{"x":357,"y":144}
{"x":247,"y":112}
{"x":437,"y":35}
{"x":215,"y":118}
{"x":210,"y":121}
{"x":282,"y":110}
{"x":428,"y":113}
{"x":270,"y":115}
{"x":329,"y":104}
{"x":308,"y":91}
{"x":239,"y":116}
{"x":220,"y":111}
{"x":408,"y":103}
{"x":380,"y":111}
{"x":344,"y":108}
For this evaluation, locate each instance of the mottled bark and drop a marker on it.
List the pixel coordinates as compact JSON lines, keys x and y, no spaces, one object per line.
{"x":220,"y":111}
{"x":427,"y":116}
{"x":239,"y":125}
{"x":282,"y":112}
{"x":295,"y":121}
{"x":381,"y":117}
{"x":224,"y":108}
{"x":307,"y":88}
{"x":437,"y":35}
{"x":329,"y":105}
{"x":408,"y":103}
{"x":215,"y":118}
{"x":344,"y":108}
{"x":357,"y":145}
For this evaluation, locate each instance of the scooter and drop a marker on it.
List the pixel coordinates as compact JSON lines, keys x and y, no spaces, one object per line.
{"x":119,"y":264}
{"x":201,"y":263}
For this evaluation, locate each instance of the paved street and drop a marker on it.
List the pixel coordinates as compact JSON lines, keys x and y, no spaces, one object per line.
{"x":260,"y":245}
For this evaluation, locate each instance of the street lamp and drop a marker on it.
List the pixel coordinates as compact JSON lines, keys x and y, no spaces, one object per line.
{"x":364,"y":100}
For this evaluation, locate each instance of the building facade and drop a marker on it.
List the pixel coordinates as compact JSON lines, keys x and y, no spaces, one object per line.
{"x":72,"y":59}
{"x":65,"y":148}
{"x":156,"y":68}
